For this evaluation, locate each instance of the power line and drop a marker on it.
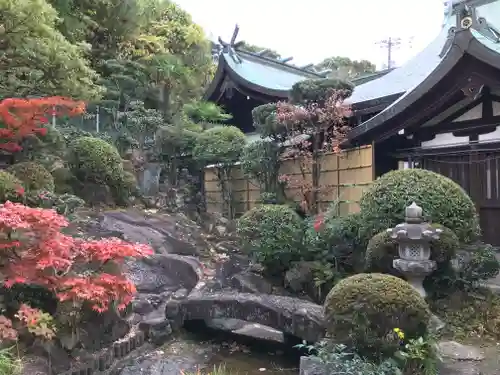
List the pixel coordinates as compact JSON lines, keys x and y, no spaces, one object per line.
{"x":390,"y":44}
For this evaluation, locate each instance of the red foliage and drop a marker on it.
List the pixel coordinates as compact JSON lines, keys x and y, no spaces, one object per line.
{"x":319,"y":121}
{"x":318,"y":222}
{"x":34,"y":251}
{"x":20,"y":118}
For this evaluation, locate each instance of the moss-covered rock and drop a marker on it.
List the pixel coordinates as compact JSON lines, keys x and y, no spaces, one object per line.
{"x":10,"y":187}
{"x":273,"y":235}
{"x":33,"y":176}
{"x":94,"y":160}
{"x":442,"y":200}
{"x":382,"y":250}
{"x":362,"y":311}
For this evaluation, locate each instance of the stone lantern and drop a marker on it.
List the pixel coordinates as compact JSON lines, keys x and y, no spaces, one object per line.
{"x":413,"y":238}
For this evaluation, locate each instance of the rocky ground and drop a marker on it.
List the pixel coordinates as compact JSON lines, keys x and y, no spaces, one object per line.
{"x":211,"y":251}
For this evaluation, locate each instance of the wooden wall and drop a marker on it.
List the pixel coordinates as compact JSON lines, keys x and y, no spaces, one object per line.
{"x":343,"y":178}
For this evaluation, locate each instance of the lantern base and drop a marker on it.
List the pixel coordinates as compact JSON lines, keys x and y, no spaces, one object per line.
{"x":415,"y":272}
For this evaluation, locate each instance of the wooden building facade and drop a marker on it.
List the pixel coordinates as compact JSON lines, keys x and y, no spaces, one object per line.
{"x":441,"y":110}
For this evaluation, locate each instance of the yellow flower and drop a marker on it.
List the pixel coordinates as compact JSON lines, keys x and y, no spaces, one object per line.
{"x":399,"y":333}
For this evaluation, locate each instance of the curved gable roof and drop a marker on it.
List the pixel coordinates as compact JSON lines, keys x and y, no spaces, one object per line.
{"x":401,"y":79}
{"x":464,"y":42}
{"x":257,"y":73}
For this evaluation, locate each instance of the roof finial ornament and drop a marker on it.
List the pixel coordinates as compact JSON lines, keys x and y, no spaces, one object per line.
{"x":465,"y":12}
{"x":230,"y":47}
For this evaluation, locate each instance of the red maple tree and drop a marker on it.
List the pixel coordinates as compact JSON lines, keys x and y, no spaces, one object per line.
{"x":34,"y":251}
{"x":313,"y":129}
{"x":20,"y":118}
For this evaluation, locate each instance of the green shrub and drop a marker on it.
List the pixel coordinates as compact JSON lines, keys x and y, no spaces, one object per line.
{"x":472,"y":266}
{"x":442,"y":200}
{"x":9,"y":187}
{"x":221,"y":144}
{"x":382,"y":250}
{"x":33,"y":176}
{"x":362,"y":311}
{"x":94,"y":160}
{"x":64,"y":180}
{"x":64,"y":204}
{"x":337,"y":241}
{"x":273,"y":235}
{"x":125,"y":187}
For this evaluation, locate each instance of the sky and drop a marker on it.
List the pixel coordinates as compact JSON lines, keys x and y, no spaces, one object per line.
{"x":315,"y":29}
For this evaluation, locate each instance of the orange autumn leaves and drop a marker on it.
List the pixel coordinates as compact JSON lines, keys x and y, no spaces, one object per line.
{"x":20,"y":117}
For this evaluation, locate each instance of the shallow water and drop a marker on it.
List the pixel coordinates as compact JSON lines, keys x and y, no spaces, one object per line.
{"x":237,"y":354}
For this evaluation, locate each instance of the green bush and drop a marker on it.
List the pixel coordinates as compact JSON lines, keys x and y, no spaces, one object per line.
{"x":472,"y":266}
{"x":64,"y":204}
{"x":33,"y":176}
{"x":382,"y":250}
{"x":442,"y":200}
{"x":9,"y":187}
{"x":125,"y":187}
{"x":221,"y":144}
{"x":362,"y":311}
{"x":273,"y":235}
{"x":337,"y":242}
{"x":318,"y":90}
{"x":94,"y":160}
{"x":64,"y":180}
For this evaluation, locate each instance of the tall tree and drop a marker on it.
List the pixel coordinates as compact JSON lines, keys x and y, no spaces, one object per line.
{"x":345,"y":68}
{"x":272,"y":54}
{"x":36,"y":59}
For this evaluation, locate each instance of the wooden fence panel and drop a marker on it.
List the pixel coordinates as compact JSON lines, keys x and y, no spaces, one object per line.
{"x":342,"y":180}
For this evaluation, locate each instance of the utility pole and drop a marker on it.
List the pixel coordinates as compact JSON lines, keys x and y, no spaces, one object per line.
{"x":390,"y":44}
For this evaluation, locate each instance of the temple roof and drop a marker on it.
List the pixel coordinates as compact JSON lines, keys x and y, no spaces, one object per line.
{"x":411,"y":74}
{"x":256,"y":73}
{"x":464,"y":33}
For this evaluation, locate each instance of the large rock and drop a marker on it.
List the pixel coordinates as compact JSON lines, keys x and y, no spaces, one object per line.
{"x":459,"y":359}
{"x":159,"y":273}
{"x":248,"y":282}
{"x":312,"y":366}
{"x":167,"y":234}
{"x":289,"y":315}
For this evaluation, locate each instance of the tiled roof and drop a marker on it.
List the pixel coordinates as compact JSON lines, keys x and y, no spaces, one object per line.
{"x":402,"y":79}
{"x":265,"y":72}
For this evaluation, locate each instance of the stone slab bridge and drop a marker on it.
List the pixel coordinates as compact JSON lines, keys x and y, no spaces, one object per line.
{"x":293,"y":316}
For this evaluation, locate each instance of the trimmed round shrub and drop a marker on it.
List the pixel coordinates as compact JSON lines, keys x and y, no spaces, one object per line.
{"x":383,"y":249}
{"x":442,"y":200}
{"x":220,"y":144}
{"x":9,"y":187}
{"x":337,"y":241}
{"x":92,"y":159}
{"x":362,"y":311}
{"x":33,"y":176}
{"x":272,"y":234}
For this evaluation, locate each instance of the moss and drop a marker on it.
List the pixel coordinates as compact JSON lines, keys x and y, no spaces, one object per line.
{"x":382,"y":250}
{"x":361,"y":311}
{"x":442,"y":200}
{"x":9,"y":186}
{"x":33,"y":176}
